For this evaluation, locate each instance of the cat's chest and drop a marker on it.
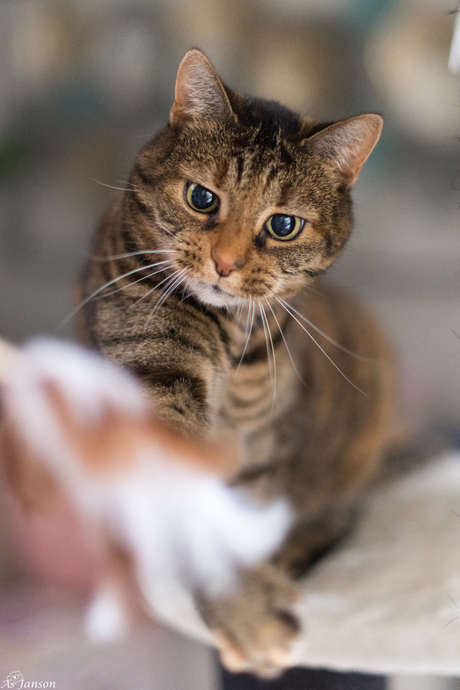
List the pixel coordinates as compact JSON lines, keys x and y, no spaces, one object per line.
{"x":261,"y":385}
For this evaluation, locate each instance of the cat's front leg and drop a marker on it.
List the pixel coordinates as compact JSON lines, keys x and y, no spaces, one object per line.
{"x":254,"y":624}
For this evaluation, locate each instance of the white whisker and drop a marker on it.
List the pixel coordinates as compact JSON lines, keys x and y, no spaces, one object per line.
{"x":135,"y":187}
{"x":251,"y":314}
{"x":285,"y":343}
{"x":100,"y":289}
{"x":173,"y":282}
{"x":323,"y":334}
{"x":163,"y":227}
{"x":239,"y":313}
{"x":269,"y":344}
{"x":155,"y":287}
{"x":121,"y":189}
{"x":139,"y":280}
{"x":129,"y":254}
{"x":285,"y":305}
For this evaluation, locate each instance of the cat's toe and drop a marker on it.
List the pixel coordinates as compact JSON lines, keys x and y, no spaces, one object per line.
{"x":268,"y":653}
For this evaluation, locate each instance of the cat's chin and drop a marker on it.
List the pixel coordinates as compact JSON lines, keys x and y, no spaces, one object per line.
{"x":214,"y":296}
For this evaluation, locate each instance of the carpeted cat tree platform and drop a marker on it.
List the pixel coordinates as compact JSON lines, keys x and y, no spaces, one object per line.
{"x":388,"y":601}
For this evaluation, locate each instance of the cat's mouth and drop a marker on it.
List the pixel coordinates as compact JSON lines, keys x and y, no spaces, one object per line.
{"x":218,"y":290}
{"x":213,"y":294}
{"x":214,"y":289}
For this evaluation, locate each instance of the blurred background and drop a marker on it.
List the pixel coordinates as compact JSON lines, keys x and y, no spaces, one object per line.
{"x":84,"y":84}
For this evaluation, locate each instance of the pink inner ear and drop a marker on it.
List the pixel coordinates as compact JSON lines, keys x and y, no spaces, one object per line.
{"x":199,"y":91}
{"x":359,"y":153}
{"x":349,"y":143}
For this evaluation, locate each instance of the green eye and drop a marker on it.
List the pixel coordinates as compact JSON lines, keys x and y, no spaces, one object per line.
{"x":201,"y":199}
{"x":283,"y":227}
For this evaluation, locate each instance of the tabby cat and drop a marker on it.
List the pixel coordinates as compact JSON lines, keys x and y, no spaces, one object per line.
{"x":200,"y":284}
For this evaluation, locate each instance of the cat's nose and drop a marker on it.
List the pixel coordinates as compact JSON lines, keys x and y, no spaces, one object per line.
{"x":226,"y":262}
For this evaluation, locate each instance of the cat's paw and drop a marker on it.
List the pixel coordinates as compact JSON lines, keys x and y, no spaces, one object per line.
{"x":254,"y":626}
{"x":266,"y":653}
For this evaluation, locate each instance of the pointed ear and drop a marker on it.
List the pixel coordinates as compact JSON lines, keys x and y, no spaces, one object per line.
{"x":348,"y":143}
{"x":199,"y":91}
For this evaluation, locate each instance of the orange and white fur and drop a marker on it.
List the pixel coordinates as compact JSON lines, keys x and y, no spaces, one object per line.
{"x":155,"y":506}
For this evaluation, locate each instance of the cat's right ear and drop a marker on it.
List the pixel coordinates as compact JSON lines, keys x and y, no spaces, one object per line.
{"x":199,"y":90}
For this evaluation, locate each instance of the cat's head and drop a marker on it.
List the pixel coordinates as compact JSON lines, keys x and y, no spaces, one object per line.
{"x":253,"y":199}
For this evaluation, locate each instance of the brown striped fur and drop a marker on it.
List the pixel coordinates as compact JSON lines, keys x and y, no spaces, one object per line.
{"x":319,"y":437}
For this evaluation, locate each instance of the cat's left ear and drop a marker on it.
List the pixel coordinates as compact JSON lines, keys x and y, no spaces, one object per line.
{"x":199,"y":90}
{"x":348,"y":143}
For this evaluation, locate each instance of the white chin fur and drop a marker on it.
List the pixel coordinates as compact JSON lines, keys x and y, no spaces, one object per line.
{"x":207,"y":294}
{"x":185,"y":528}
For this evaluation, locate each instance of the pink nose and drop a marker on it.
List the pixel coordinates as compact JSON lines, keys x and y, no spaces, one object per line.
{"x":226,"y":262}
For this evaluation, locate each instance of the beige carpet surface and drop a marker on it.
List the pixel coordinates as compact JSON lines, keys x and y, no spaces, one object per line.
{"x":388,"y":601}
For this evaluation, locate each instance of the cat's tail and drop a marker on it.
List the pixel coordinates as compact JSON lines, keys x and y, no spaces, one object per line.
{"x":154,"y":504}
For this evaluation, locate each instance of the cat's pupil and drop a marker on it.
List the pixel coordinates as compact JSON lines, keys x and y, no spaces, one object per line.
{"x":282,"y":225}
{"x":201,"y":197}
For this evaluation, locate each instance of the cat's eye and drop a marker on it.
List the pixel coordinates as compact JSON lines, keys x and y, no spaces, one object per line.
{"x":283,"y":227}
{"x":201,"y":199}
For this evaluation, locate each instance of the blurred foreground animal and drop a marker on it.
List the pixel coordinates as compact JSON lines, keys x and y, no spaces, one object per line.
{"x":200,"y":285}
{"x":156,"y":509}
